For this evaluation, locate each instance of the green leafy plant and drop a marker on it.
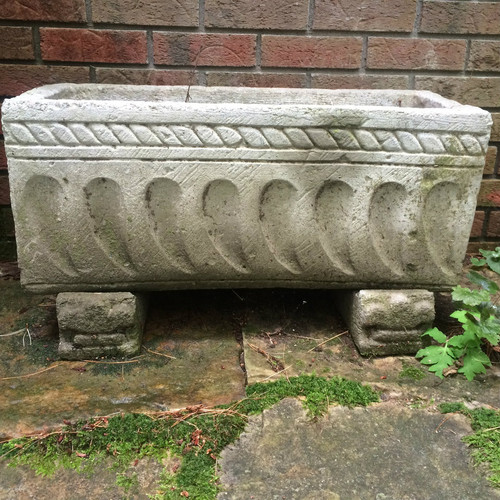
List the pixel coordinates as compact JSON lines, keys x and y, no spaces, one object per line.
{"x":480,"y":320}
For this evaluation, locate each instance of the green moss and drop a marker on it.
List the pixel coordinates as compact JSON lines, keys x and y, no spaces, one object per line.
{"x":197,"y":439}
{"x":485,"y":442}
{"x":410,"y":371}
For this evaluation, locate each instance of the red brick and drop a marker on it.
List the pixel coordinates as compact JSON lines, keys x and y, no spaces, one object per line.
{"x":495,"y":129}
{"x":16,"y":43}
{"x":477,"y":225}
{"x":4,"y":190}
{"x":83,"y":45}
{"x":44,"y":10}
{"x":489,"y":193}
{"x":489,"y":164}
{"x":3,"y":158}
{"x":146,"y":76}
{"x":413,"y":53}
{"x":204,"y":50}
{"x":18,"y":78}
{"x":311,"y":52}
{"x":480,"y":18}
{"x":365,"y":15}
{"x":480,"y":91}
{"x":494,"y":225}
{"x":233,"y":79}
{"x":484,"y":56}
{"x":152,"y":12}
{"x":321,"y":80}
{"x":249,"y":14}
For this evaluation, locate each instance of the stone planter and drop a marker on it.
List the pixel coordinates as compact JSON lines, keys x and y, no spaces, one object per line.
{"x":122,"y":188}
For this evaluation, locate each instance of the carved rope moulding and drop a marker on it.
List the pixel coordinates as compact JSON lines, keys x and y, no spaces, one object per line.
{"x":224,"y":136}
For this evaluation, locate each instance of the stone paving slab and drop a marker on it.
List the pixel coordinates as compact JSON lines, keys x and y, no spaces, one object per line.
{"x":384,"y":452}
{"x":190,"y":356}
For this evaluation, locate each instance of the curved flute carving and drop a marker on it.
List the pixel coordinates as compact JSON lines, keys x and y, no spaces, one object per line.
{"x":106,"y":210}
{"x":442,"y":209}
{"x":278,"y":201}
{"x":43,"y":200}
{"x":387,"y":224}
{"x":333,"y":210}
{"x":163,"y":198}
{"x":222,"y":211}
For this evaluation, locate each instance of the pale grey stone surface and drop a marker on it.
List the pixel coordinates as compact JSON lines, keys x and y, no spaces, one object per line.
{"x":375,"y":453}
{"x":100,"y":324}
{"x":128,"y":188}
{"x":386,"y":322}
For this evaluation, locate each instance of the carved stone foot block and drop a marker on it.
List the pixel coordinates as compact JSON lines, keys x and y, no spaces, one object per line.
{"x":100,"y":324}
{"x":387,"y":322}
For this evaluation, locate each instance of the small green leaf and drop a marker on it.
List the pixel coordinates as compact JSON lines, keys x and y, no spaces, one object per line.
{"x":494,"y":263}
{"x":438,"y":357}
{"x":483,"y":281}
{"x":469,"y":297}
{"x":436,"y":334}
{"x":459,"y":341}
{"x":460,"y":315}
{"x":489,"y":329}
{"x":475,"y":361}
{"x":477,"y":262}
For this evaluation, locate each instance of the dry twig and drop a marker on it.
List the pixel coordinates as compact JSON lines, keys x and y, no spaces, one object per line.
{"x":328,"y":340}
{"x":158,"y":353}
{"x":275,"y":363}
{"x":33,"y":374}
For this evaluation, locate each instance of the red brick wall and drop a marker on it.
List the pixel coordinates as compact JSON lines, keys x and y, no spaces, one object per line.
{"x":451,"y":47}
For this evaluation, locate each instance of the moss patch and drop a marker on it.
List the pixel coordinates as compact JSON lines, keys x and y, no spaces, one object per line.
{"x":485,"y":442}
{"x":194,"y":437}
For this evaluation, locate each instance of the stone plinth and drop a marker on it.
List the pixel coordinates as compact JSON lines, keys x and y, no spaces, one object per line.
{"x":100,"y":324}
{"x":386,"y":322}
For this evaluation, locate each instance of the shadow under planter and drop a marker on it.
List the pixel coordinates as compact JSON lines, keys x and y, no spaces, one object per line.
{"x":128,"y":189}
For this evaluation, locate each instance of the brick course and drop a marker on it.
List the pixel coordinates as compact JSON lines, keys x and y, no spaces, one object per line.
{"x":476,"y":91}
{"x":477,"y":225}
{"x":43,"y":10}
{"x":249,"y":14}
{"x":146,"y":76}
{"x":18,"y":78}
{"x":490,"y":161}
{"x":365,"y":15}
{"x":413,"y":53}
{"x":256,"y":79}
{"x":484,"y":56}
{"x":82,"y":45}
{"x":451,"y":47}
{"x":16,"y":43}
{"x":359,"y":81}
{"x":204,"y":50}
{"x":493,"y":230}
{"x":151,"y":12}
{"x":480,"y":18}
{"x":311,"y":52}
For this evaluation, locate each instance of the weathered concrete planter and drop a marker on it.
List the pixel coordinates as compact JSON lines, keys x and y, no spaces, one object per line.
{"x":120,"y":188}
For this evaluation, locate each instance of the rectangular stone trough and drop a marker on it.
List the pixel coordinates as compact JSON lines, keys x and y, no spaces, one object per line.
{"x":124,"y":188}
